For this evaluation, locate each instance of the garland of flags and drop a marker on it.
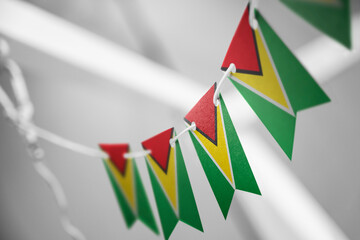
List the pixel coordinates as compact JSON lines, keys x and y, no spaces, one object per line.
{"x":272,"y":81}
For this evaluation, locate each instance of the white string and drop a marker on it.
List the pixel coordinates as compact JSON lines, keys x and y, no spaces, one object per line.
{"x":26,"y":108}
{"x":5,"y":101}
{"x":73,"y":146}
{"x":231,"y":69}
{"x":60,"y":199}
{"x":252,"y":20}
{"x":12,"y":113}
{"x":22,"y":119}
{"x":8,"y":106}
{"x":137,"y":154}
{"x":192,"y":127}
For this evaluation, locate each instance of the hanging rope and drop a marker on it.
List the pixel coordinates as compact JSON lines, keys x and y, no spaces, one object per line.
{"x":21,"y":117}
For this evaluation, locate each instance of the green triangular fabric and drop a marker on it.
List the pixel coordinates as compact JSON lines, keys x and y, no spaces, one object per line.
{"x":168,"y":218}
{"x":332,"y":19}
{"x":144,"y":209}
{"x":221,"y":188}
{"x":243,"y":175}
{"x":280,"y":124}
{"x":188,"y":211}
{"x":301,"y":88}
{"x":128,"y":214}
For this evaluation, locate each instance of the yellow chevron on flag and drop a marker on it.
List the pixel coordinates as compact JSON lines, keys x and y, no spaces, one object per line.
{"x":218,"y":152}
{"x":267,"y":83}
{"x":219,"y":149}
{"x":125,"y":181}
{"x":173,"y":194}
{"x":168,"y":179}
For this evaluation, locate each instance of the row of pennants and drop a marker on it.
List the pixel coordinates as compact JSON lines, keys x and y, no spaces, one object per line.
{"x":275,"y":85}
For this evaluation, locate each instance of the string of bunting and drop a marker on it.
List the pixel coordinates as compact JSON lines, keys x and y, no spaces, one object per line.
{"x":262,"y":69}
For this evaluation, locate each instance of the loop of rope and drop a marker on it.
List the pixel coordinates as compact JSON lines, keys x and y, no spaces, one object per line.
{"x":252,"y":20}
{"x":21,"y":116}
{"x":231,"y":69}
{"x":192,"y":127}
{"x":137,"y":154}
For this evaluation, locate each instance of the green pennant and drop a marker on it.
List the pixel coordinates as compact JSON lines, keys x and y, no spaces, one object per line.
{"x":330,"y":17}
{"x":144,"y":209}
{"x":144,"y":212}
{"x":128,"y":214}
{"x":243,"y":175}
{"x":221,"y":188}
{"x":188,"y":212}
{"x":280,"y":124}
{"x":301,"y":88}
{"x":222,"y":156}
{"x":168,"y":218}
{"x":280,"y":87}
{"x":171,"y":185}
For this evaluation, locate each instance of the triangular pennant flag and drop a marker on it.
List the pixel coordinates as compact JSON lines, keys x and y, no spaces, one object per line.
{"x":224,"y":162}
{"x":283,"y":88}
{"x":160,"y":148}
{"x":116,"y":153}
{"x":206,"y":123}
{"x":247,"y":46}
{"x":329,"y":16}
{"x":128,"y":187}
{"x":171,"y":185}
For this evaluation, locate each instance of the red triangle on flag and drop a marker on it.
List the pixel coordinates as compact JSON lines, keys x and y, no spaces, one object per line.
{"x":116,"y":153}
{"x":159,"y":146}
{"x":243,"y":51}
{"x":204,"y":115}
